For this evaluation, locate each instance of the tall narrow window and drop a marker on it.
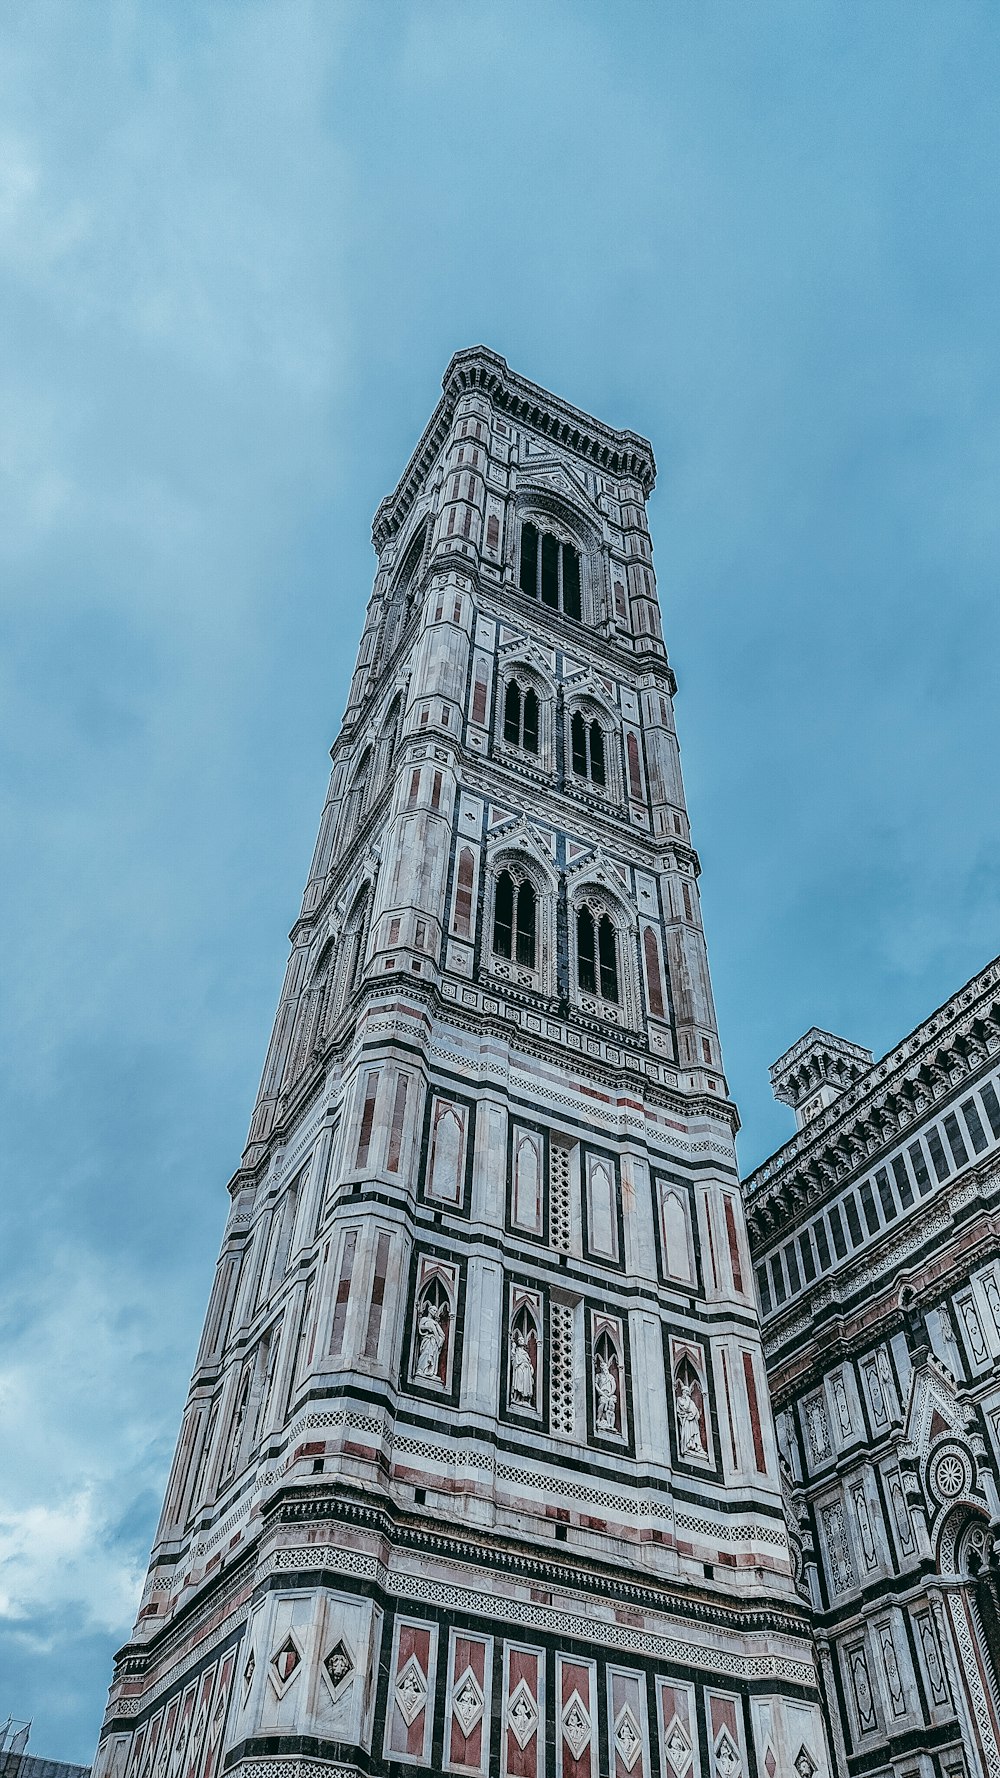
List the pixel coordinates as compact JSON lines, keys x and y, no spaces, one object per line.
{"x":596,"y":955}
{"x":607,"y":958}
{"x":586,"y":957}
{"x":512,"y":714}
{"x":596,"y":739}
{"x":525,"y":925}
{"x":529,"y":560}
{"x":529,"y":731}
{"x":550,"y":570}
{"x":520,"y":717}
{"x":515,"y":920}
{"x":587,"y":748}
{"x":503,"y":916}
{"x":463,"y":893}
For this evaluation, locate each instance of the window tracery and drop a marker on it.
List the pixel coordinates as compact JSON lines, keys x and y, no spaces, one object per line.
{"x":520,"y":717}
{"x":515,"y":918}
{"x":549,"y":570}
{"x":587,"y":753}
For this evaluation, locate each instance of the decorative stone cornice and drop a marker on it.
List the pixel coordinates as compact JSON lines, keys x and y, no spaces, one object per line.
{"x":477,"y":370}
{"x":894,"y":1095}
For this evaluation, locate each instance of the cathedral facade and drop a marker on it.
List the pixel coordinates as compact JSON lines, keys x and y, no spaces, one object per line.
{"x":876,"y":1239}
{"x":477,"y":1472}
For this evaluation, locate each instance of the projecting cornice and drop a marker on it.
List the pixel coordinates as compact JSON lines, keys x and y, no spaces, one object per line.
{"x":893,"y":1095}
{"x":478,"y":370}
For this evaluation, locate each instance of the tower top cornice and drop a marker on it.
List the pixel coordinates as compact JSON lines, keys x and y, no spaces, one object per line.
{"x":477,"y":370}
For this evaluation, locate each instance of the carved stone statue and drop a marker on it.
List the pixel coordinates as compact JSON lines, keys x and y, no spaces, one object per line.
{"x":522,"y":1371}
{"x":689,"y":1439}
{"x":430,"y":1333}
{"x":606,"y":1386}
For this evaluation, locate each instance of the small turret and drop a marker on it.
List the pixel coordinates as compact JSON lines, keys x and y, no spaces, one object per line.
{"x":816,"y":1071}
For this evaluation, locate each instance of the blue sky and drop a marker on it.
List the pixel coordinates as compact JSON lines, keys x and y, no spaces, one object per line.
{"x":238,"y":244}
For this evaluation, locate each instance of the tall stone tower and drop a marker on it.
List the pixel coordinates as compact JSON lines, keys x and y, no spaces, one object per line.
{"x":477,"y":1472}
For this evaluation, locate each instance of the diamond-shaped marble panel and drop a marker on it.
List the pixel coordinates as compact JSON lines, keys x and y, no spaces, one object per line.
{"x":628,"y":1738}
{"x":522,"y":1714}
{"x":468,"y":1702}
{"x":411,"y":1691}
{"x":576,"y":1725}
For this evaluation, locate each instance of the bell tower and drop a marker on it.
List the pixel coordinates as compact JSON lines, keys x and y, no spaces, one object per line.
{"x":477,"y":1471}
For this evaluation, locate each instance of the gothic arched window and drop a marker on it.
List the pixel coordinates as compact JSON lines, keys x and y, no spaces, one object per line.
{"x":514,"y":920}
{"x":520,"y":717}
{"x":596,"y":954}
{"x":587,"y":748}
{"x":550,"y":570}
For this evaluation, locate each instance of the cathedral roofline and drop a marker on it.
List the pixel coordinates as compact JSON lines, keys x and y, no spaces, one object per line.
{"x":893,"y":1093}
{"x":476,"y":369}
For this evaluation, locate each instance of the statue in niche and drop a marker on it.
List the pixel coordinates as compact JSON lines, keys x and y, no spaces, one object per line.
{"x":606,"y":1387}
{"x":522,"y":1371}
{"x":430,"y":1334}
{"x":689,"y":1440}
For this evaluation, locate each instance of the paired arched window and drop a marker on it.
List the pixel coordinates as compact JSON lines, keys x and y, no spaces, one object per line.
{"x":515,"y":920}
{"x":587,"y":748}
{"x":550,"y":570}
{"x":596,"y":954}
{"x":520,"y":717}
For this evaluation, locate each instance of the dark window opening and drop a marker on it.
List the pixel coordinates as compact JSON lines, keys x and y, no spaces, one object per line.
{"x":763,"y":1290}
{"x":778,"y":1278}
{"x":853,"y":1220}
{"x":549,"y":570}
{"x":937,"y":1154}
{"x":974,"y":1124}
{"x":597,"y":955}
{"x":868,"y":1206}
{"x":808,"y":1263}
{"x":520,"y":718}
{"x":955,"y":1140}
{"x":920,"y":1172}
{"x":989,"y":1099}
{"x":514,"y":920}
{"x":587,"y":749}
{"x":885,"y":1194}
{"x":822,"y":1245}
{"x":837,"y":1231}
{"x":902,"y":1179}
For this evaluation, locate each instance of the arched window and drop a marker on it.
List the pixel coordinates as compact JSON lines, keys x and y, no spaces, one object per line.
{"x":520,"y":717}
{"x":587,"y":748}
{"x":596,"y":955}
{"x":550,"y":570}
{"x":514,"y":920}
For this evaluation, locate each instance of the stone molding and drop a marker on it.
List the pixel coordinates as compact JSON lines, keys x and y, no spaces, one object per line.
{"x":894,"y":1096}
